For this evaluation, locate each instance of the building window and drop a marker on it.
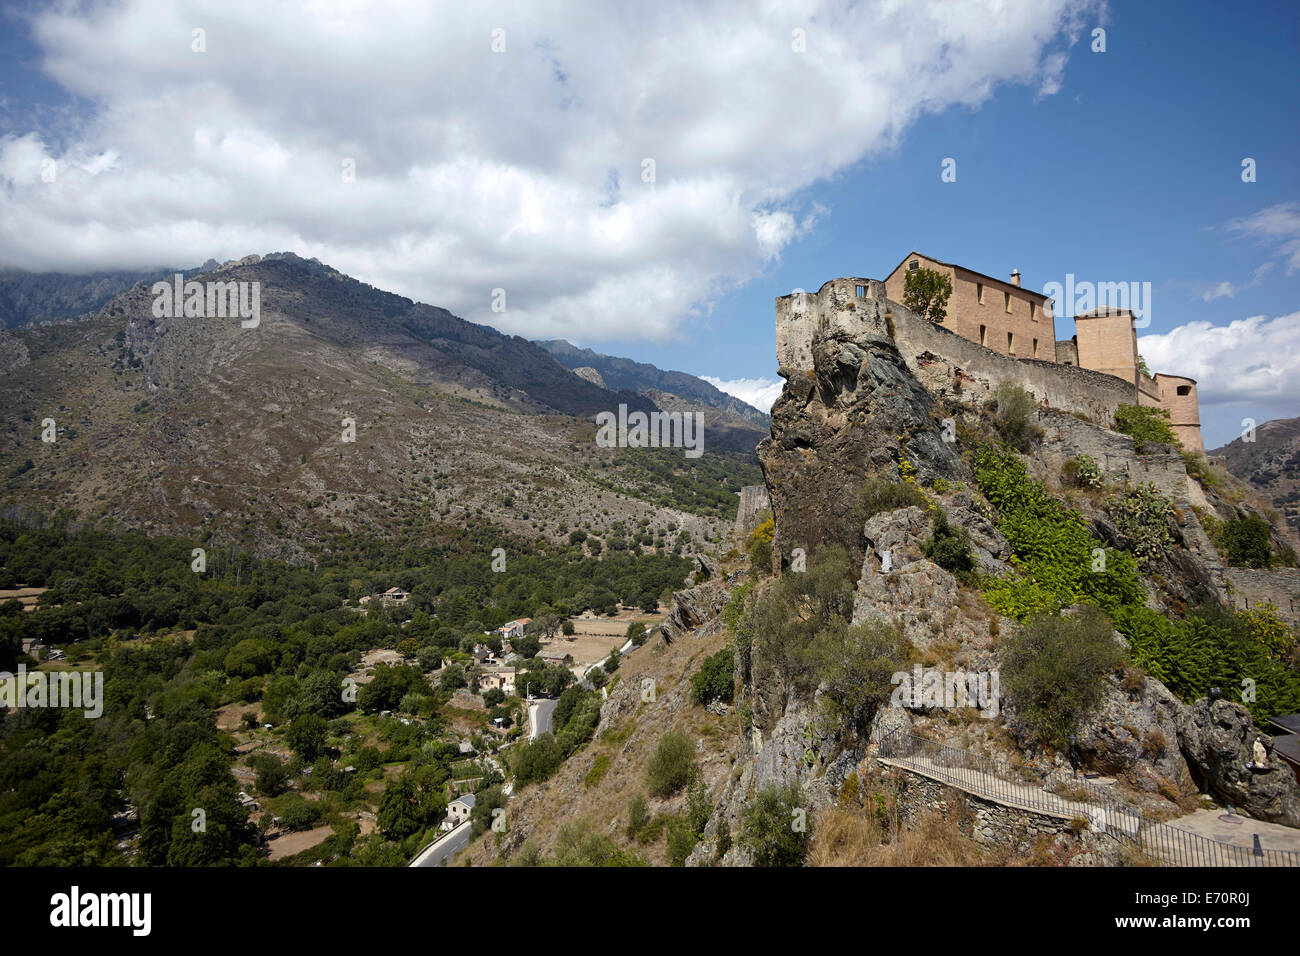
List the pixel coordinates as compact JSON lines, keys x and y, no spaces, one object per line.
{"x":982,"y":342}
{"x":1011,"y":348}
{"x":862,"y":292}
{"x":979,"y":292}
{"x":1033,"y":311}
{"x":1184,"y":389}
{"x":1035,"y":348}
{"x":1006,"y":299}
{"x":913,"y":265}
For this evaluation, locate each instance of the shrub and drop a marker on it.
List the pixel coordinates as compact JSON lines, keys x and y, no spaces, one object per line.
{"x":759,"y":547}
{"x":1198,"y":466}
{"x":775,"y":634}
{"x":1082,"y":472}
{"x":880,"y":495}
{"x":1013,"y":410}
{"x":537,"y":760}
{"x":1142,"y":516}
{"x":1247,"y":542}
{"x":1054,"y":547}
{"x":670,"y":766}
{"x":854,"y":664}
{"x":636,"y":633}
{"x":1212,"y":648}
{"x":949,"y":547}
{"x":715,"y":680}
{"x":1146,"y":425}
{"x":1055,"y":671}
{"x":299,"y":814}
{"x":638,"y":815}
{"x":768,"y":827}
{"x":1269,"y":631}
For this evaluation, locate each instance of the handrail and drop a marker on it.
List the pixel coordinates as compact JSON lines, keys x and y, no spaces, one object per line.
{"x":1041,"y":792}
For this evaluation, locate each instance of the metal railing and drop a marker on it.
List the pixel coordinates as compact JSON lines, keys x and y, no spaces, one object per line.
{"x":1060,"y":794}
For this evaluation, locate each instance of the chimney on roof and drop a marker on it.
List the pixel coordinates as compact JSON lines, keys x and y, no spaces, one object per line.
{"x":1015,"y":277}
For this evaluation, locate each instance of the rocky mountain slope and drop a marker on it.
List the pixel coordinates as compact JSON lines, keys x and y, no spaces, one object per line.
{"x":29,"y":298}
{"x":1270,"y":464}
{"x":345,"y":409}
{"x":864,"y":460}
{"x":671,"y":389}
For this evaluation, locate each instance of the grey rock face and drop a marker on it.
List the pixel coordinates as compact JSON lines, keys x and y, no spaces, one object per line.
{"x":1134,"y":735}
{"x":855,"y":415}
{"x":694,"y":606}
{"x":1218,"y":740}
{"x":589,"y":374}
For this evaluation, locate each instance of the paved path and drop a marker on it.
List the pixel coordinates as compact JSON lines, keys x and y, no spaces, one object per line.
{"x":1022,"y":796}
{"x":1207,"y":824}
{"x":444,"y":847}
{"x":539,"y":717}
{"x":1196,"y":839}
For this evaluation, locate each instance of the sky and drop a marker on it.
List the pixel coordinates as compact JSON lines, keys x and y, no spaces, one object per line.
{"x":645,"y":179}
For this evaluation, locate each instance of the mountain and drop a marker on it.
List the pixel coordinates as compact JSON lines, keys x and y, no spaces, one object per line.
{"x":29,"y":298}
{"x":646,"y":379}
{"x":1270,"y":464}
{"x":198,"y":426}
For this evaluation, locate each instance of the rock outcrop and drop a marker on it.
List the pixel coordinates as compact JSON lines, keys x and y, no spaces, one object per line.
{"x":1218,"y":739}
{"x":859,"y":413}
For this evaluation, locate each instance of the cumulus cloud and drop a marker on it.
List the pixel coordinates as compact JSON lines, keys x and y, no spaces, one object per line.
{"x":759,"y":392}
{"x":614,"y":168}
{"x":1224,"y":290}
{"x":1255,"y":360}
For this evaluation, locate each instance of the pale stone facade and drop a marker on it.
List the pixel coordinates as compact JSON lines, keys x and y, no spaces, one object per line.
{"x":996,"y":313}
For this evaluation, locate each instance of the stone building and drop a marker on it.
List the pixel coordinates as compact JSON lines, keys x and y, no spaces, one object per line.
{"x":996,"y":313}
{"x":951,"y":363}
{"x":1019,"y":323}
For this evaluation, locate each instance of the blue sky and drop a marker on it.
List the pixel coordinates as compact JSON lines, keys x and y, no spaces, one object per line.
{"x":507,"y":148}
{"x":1131,"y":172}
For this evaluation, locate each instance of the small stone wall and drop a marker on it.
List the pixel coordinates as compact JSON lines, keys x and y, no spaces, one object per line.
{"x":993,"y":824}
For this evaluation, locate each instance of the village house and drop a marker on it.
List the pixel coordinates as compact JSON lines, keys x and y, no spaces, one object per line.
{"x":512,"y":629}
{"x":500,"y":678}
{"x":458,"y":811}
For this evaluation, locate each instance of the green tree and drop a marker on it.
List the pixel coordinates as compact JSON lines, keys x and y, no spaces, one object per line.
{"x":306,"y":736}
{"x":926,"y":293}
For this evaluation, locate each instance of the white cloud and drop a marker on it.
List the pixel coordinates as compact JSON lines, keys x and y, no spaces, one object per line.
{"x":759,"y":392}
{"x":1278,"y":226}
{"x":1223,"y":290}
{"x":1254,"y":360}
{"x":522,"y":170}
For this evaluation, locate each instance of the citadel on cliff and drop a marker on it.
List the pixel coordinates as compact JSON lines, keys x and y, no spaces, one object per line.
{"x":994,"y":331}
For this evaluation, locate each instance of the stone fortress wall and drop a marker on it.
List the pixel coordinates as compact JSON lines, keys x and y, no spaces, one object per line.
{"x":942,"y":360}
{"x":1000,"y":318}
{"x":956,"y":365}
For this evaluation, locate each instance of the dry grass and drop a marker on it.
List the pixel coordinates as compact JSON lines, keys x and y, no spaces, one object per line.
{"x":848,"y":836}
